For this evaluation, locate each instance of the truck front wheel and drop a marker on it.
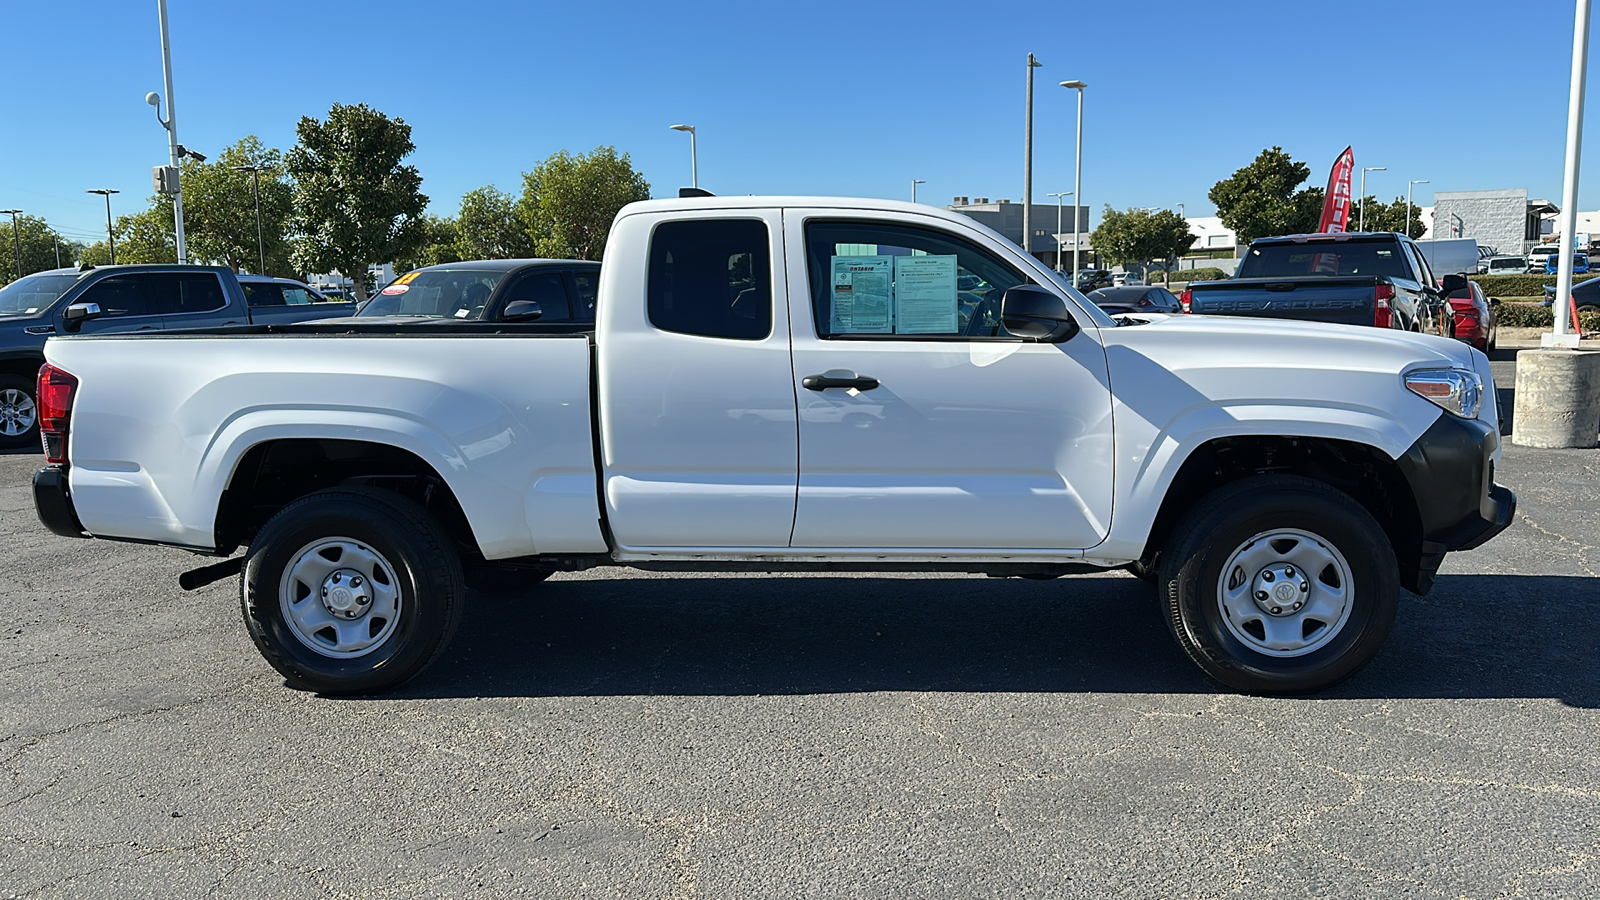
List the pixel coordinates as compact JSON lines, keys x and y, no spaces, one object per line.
{"x":351,"y":591}
{"x":1279,"y":584}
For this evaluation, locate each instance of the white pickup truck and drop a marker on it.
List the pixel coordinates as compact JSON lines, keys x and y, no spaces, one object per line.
{"x":808,"y":384}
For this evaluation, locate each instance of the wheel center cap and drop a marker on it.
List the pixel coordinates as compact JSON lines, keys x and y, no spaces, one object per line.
{"x":346,"y":594}
{"x":1280,"y":589}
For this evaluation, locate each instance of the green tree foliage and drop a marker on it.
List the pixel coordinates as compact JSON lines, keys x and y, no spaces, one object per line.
{"x":1388,"y":216}
{"x":143,"y":237}
{"x":438,"y":245}
{"x":38,"y":244}
{"x":354,"y":202}
{"x":1139,"y":236}
{"x":1260,"y":199}
{"x":219,"y":208}
{"x":568,"y":202}
{"x":488,"y":226}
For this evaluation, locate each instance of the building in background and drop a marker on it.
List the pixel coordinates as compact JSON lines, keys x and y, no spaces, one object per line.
{"x":1504,"y":221}
{"x":1006,"y":217}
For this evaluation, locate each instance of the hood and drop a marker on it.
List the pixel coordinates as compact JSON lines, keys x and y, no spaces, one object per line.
{"x":1268,"y":342}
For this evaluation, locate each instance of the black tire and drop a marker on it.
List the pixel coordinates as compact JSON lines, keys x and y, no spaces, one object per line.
{"x":1231,"y":524}
{"x":19,"y":413}
{"x":421,"y":574}
{"x":504,"y":581}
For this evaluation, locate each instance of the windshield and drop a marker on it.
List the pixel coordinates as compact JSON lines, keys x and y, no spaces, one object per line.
{"x":32,"y":295}
{"x":1324,"y":258}
{"x":442,"y":293}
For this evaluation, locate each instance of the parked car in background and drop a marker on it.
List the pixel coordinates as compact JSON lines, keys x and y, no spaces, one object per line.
{"x":1474,"y":316}
{"x":1580,"y":263}
{"x":1585,"y":296}
{"x":1125,"y":279}
{"x":497,"y":290}
{"x":1539,"y":255}
{"x":1451,"y":255}
{"x":107,"y":299}
{"x":1118,"y":300}
{"x":263,"y":291}
{"x":1089,"y":279}
{"x":1504,"y":265}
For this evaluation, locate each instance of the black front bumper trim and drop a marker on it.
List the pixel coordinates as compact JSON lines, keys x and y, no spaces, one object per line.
{"x":1450,"y":470}
{"x":52,"y":499}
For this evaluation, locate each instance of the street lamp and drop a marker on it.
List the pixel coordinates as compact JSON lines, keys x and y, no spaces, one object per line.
{"x":694,"y":160}
{"x":914,"y":183}
{"x":1363,"y":225}
{"x":1058,"y":195}
{"x":1027,"y":165}
{"x":170,"y":123}
{"x":1181,"y":213}
{"x":261,"y":244}
{"x":111,"y":239}
{"x":1077,"y":178}
{"x":15,"y":236}
{"x":1408,"y":203}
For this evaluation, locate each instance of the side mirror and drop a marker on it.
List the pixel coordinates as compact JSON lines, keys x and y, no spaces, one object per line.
{"x":1494,"y":301}
{"x":1032,"y":312}
{"x":1452,"y":283}
{"x":76,"y":314}
{"x":521,"y":311}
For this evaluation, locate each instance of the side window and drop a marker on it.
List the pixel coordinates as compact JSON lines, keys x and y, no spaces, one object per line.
{"x":190,"y":292}
{"x":548,"y":289}
{"x":711,"y":277}
{"x":585,"y":286}
{"x":1414,"y":267}
{"x":1423,"y":268}
{"x":259,"y":294}
{"x":892,"y":281}
{"x":297,"y":296}
{"x":123,"y":295}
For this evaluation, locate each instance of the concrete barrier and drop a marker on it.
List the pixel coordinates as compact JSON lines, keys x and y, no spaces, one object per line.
{"x":1558,"y":399}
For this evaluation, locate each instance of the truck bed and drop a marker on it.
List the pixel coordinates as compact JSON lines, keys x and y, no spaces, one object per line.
{"x":1347,"y":300}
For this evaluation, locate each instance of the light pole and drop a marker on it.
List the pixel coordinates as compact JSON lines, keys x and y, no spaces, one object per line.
{"x":1363,"y":225}
{"x":1559,"y":337}
{"x":694,"y":158}
{"x":111,"y":239}
{"x":914,"y":183}
{"x":15,"y":236}
{"x":261,"y":244}
{"x":1408,"y":203}
{"x":170,"y":123}
{"x":1181,"y":213}
{"x":1077,"y":179}
{"x":1058,"y":195}
{"x":1027,"y":165}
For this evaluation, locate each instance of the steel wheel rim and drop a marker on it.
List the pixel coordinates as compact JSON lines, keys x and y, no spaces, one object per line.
{"x":1288,"y":566}
{"x":339,"y":597}
{"x":17,"y":412}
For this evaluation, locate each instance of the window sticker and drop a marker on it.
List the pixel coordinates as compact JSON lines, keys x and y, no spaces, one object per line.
{"x":925,"y":294}
{"x":407,"y":278}
{"x":863,"y":295}
{"x":395,"y":289}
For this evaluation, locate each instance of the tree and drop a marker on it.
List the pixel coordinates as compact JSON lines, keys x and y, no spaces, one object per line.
{"x":143,"y":237}
{"x":568,"y":202}
{"x":438,"y":245}
{"x":38,"y":243}
{"x":488,"y":226}
{"x":219,"y":208}
{"x":1260,"y":199}
{"x":1389,"y":216}
{"x":1141,"y":236}
{"x":354,"y":203}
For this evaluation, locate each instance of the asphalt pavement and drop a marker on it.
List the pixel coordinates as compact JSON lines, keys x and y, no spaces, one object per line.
{"x":617,"y":733}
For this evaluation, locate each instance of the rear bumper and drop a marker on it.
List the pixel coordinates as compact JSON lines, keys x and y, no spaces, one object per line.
{"x":52,"y":499}
{"x":1451,"y":473}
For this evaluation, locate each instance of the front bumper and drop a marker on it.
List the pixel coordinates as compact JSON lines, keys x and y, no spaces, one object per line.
{"x":52,"y":499}
{"x":1451,"y":473}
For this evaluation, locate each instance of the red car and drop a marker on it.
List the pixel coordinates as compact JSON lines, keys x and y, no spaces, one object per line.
{"x":1474,"y":317}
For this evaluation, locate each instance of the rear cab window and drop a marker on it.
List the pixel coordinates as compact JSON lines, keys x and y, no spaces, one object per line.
{"x":712,"y":278}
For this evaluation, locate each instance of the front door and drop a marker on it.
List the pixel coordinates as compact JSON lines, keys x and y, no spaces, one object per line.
{"x":924,"y":424}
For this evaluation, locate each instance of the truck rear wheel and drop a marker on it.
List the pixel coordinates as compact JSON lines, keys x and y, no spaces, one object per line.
{"x":19,"y":414}
{"x":351,"y":591}
{"x":1279,"y":584}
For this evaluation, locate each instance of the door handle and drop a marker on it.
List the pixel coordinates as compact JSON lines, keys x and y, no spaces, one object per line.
{"x":838,"y":378}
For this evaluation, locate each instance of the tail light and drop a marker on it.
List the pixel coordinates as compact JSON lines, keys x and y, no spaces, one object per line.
{"x":56,"y":387}
{"x":1382,"y":315}
{"x":1186,"y":296}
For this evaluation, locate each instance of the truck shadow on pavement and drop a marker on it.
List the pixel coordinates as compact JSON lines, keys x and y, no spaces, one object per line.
{"x":1475,"y":636}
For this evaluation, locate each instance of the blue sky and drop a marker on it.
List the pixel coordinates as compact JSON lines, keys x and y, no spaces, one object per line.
{"x":821,"y":97}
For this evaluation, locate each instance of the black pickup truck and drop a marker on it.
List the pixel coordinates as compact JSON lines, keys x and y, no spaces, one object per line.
{"x":1379,"y":279}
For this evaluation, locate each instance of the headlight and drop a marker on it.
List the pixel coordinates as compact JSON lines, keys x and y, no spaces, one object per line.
{"x":1457,"y":390}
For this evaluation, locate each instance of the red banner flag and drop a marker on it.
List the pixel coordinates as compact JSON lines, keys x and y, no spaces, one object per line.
{"x":1336,"y":206}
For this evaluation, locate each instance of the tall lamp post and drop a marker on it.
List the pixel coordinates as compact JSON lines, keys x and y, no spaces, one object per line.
{"x":16,"y":237}
{"x":914,"y":183}
{"x":1077,"y":178}
{"x":1027,"y":165}
{"x":111,"y":238}
{"x":1408,"y":203}
{"x":1363,"y":225}
{"x":1058,"y":195}
{"x":170,"y":123}
{"x":694,"y":159}
{"x":261,"y":244}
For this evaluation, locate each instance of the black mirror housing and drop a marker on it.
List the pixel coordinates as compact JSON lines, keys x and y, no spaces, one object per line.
{"x":521,"y":311}
{"x":1453,"y":282}
{"x":1032,"y":312}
